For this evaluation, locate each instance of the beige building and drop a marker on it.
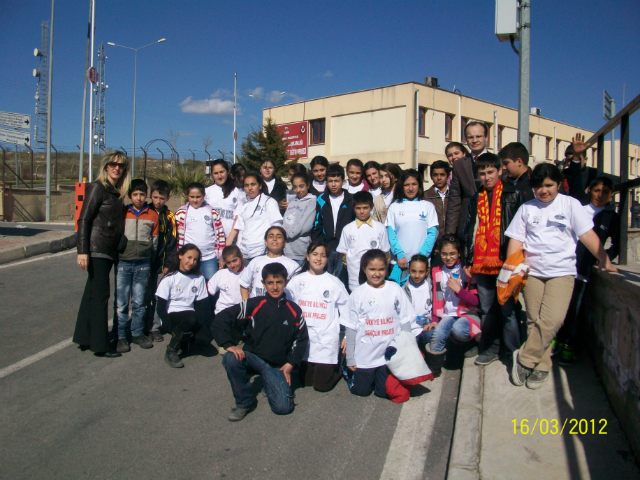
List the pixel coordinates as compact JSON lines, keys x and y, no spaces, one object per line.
{"x":411,"y":124}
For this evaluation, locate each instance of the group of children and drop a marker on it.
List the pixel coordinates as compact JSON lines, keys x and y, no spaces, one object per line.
{"x":323,"y":278}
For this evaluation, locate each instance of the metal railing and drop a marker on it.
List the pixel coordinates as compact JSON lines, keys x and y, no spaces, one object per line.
{"x":625,"y":185}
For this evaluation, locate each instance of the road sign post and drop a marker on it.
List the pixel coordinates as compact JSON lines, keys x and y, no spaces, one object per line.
{"x":608,"y":112}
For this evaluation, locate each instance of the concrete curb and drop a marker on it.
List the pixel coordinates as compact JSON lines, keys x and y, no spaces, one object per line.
{"x":464,"y":461}
{"x":52,"y":241}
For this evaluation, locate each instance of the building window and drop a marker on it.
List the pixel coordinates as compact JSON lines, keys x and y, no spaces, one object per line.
{"x":531,"y":135}
{"x":448,"y":127}
{"x":422,"y":113}
{"x":500,"y":129}
{"x":547,"y":149}
{"x":317,"y":131}
{"x":463,"y":124}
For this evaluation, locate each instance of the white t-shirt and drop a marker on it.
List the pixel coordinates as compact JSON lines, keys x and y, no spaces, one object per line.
{"x":199,"y":230}
{"x":323,"y":300}
{"x":354,"y":189}
{"x":375,"y":191}
{"x":410,"y":220}
{"x":182,"y":291}
{"x":335,"y":208}
{"x":270,"y":184}
{"x":421,"y":298}
{"x":319,"y":186}
{"x":228,"y":284}
{"x":549,"y":232}
{"x":251,"y":276}
{"x":451,"y":300}
{"x":356,"y":241}
{"x":376,"y":315}
{"x":254,"y":219}
{"x":226,"y":207}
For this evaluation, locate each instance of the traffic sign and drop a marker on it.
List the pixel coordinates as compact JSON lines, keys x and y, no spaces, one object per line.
{"x":15,"y":120}
{"x":93,"y":75}
{"x":15,"y":136}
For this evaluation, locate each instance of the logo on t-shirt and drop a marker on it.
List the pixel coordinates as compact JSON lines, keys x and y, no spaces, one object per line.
{"x":374,"y":244}
{"x":372,"y":301}
{"x":401,"y":213}
{"x":352,"y":238}
{"x":301,"y":284}
{"x":423,"y":216}
{"x":207,"y":218}
{"x":326,"y":294}
{"x":194,"y":289}
{"x":224,"y":287}
{"x":396,"y":306}
{"x":234,"y":200}
{"x":536,"y":220}
{"x":560,"y":217}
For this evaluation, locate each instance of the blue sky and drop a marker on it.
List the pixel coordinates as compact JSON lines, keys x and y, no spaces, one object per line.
{"x":310,"y":50}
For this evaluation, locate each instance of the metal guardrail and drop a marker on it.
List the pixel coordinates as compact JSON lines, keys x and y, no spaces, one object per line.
{"x":625,"y":185}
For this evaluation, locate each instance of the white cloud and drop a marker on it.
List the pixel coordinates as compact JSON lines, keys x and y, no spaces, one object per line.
{"x":256,"y":92}
{"x":210,"y":106}
{"x":328,"y":73}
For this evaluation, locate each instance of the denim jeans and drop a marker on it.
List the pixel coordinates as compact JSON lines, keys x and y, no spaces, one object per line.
{"x":458,"y":327}
{"x":132,"y":280}
{"x":498,"y":321}
{"x":209,"y":268}
{"x":278,"y":391}
{"x":337,"y":268}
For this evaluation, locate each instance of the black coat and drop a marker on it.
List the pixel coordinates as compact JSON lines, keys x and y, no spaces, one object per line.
{"x":461,"y":191}
{"x":323,"y":225}
{"x":279,"y":191}
{"x":577,"y":179}
{"x":512,"y":199}
{"x":274,"y":329}
{"x":101,"y":221}
{"x":606,"y":224}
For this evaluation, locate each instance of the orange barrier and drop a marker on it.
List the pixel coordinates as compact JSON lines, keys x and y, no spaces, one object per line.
{"x":80,"y":188}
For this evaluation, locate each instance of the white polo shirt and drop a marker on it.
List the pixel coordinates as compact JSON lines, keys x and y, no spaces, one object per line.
{"x":251,"y":277}
{"x":228,"y":284}
{"x":410,"y":220}
{"x":376,"y":315}
{"x":355,"y":241}
{"x":182,"y":291}
{"x":549,"y":232}
{"x":323,"y":300}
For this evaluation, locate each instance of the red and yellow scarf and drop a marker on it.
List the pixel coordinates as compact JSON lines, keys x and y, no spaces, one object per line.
{"x":486,"y":254}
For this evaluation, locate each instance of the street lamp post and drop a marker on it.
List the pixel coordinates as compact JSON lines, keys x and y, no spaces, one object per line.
{"x":135,"y":78}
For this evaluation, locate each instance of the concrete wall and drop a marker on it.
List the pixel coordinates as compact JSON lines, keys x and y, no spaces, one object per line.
{"x":26,"y":205}
{"x":612,"y":310}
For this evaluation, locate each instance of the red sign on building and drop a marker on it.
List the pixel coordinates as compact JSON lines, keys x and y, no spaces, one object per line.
{"x":297,"y":136}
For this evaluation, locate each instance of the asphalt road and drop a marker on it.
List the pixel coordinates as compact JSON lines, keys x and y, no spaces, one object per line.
{"x":73,"y":415}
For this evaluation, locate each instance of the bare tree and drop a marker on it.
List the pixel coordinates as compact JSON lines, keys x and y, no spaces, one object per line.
{"x":174,"y":136}
{"x":207,"y":141}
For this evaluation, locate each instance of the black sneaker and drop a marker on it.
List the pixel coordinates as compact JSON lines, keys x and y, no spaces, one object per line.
{"x":486,"y":358}
{"x":173,"y":359}
{"x":123,"y":346}
{"x":142,"y":341}
{"x":238,"y":413}
{"x":156,"y":337}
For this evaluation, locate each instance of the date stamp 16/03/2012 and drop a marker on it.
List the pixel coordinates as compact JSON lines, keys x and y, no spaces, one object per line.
{"x":572,"y":426}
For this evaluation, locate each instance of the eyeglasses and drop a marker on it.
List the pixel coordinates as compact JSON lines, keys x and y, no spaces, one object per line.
{"x":449,"y":255}
{"x":117,"y":165}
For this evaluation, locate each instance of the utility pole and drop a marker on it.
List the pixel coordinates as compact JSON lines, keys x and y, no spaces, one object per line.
{"x":48,"y":179}
{"x":84,"y":98}
{"x":235,"y":133}
{"x":93,"y":34}
{"x":525,"y":50}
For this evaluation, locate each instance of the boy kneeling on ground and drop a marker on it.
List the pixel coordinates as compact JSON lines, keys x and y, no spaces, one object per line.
{"x":275,"y":341}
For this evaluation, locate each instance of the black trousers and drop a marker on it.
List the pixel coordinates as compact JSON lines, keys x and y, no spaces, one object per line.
{"x":92,"y":325}
{"x":366,"y":380}
{"x":322,"y":377}
{"x":181,"y":323}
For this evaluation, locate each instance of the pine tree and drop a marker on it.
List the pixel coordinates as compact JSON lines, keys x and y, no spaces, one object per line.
{"x":266,"y":142}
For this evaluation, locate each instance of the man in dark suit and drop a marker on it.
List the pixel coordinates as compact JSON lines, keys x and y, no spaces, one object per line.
{"x":464,"y":182}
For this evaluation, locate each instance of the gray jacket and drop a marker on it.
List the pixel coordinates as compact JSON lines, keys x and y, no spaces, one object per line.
{"x":298,"y":223}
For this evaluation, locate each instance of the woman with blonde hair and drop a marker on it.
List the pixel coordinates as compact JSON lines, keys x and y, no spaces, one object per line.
{"x":99,"y":239}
